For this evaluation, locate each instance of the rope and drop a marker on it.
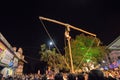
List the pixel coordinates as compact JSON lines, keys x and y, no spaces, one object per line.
{"x":86,"y":53}
{"x":50,"y":36}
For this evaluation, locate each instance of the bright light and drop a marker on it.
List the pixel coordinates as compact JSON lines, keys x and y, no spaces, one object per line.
{"x":88,"y":60}
{"x":51,"y":43}
{"x":103,"y":61}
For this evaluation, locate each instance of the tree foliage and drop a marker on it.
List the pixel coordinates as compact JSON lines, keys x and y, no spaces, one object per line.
{"x":85,"y":48}
{"x":52,"y":58}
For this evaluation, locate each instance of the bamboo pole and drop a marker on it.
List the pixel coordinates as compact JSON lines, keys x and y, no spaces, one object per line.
{"x":67,"y":25}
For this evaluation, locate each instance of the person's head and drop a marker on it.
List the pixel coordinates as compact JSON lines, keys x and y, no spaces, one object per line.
{"x":10,"y":78}
{"x":58,"y":76}
{"x":110,"y":78}
{"x":80,"y":77}
{"x":1,"y":76}
{"x":96,"y":75}
{"x":44,"y":77}
{"x":71,"y":76}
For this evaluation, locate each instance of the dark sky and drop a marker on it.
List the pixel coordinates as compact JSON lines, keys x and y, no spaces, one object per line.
{"x":20,"y":25}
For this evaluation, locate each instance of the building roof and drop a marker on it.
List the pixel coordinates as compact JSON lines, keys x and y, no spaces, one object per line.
{"x":115,"y":45}
{"x":6,"y":43}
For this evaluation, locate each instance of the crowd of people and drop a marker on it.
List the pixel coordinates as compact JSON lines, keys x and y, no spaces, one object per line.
{"x":94,"y":74}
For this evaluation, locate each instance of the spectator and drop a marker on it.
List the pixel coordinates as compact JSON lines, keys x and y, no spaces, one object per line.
{"x":58,"y":76}
{"x":95,"y":75}
{"x":44,"y":77}
{"x":80,"y":77}
{"x":71,"y":76}
{"x":1,"y":76}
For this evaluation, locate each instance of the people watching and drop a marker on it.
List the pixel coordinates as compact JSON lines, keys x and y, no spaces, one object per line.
{"x":58,"y":76}
{"x":71,"y":76}
{"x":80,"y":76}
{"x":95,"y":75}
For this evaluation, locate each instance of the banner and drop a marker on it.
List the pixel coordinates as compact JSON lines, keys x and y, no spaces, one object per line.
{"x":15,"y":61}
{"x":5,"y":55}
{"x":2,"y":49}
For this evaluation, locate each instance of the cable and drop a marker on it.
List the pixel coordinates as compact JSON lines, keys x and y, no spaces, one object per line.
{"x":50,"y":36}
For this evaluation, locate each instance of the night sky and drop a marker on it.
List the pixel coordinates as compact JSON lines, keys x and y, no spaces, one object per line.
{"x":20,"y":25}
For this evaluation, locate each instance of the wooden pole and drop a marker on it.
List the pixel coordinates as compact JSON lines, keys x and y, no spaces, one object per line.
{"x":68,"y":38}
{"x":67,"y":25}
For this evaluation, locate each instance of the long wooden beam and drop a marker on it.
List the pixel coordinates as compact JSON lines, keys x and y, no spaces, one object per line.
{"x":67,"y":25}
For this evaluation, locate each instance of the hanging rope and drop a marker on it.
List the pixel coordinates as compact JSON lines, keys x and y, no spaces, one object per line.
{"x":86,"y":53}
{"x":50,"y":36}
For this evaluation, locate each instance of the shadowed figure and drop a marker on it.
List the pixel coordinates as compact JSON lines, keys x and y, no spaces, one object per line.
{"x":71,"y":76}
{"x":95,"y":75}
{"x":58,"y":76}
{"x":80,"y":77}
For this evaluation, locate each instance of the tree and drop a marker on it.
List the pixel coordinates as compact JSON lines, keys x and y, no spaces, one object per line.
{"x":52,"y":58}
{"x":84,"y":49}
